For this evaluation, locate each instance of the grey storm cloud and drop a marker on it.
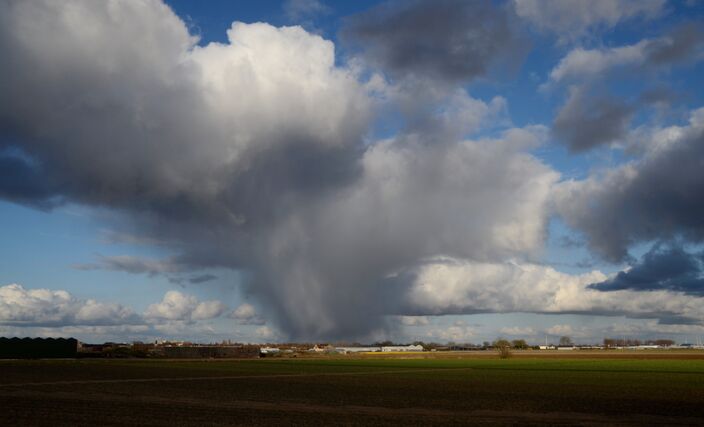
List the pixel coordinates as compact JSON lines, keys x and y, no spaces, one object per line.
{"x":571,"y":19}
{"x":657,"y":196}
{"x":251,"y":155}
{"x":678,"y":320}
{"x":194,"y":280}
{"x":683,"y":43}
{"x":590,"y":117}
{"x":665,"y":267}
{"x":589,"y":120}
{"x":659,"y":95}
{"x":172,"y":268}
{"x":446,"y":40}
{"x":134,"y":265}
{"x":202,"y":278}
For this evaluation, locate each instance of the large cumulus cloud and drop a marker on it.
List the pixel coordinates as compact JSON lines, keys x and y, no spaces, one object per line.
{"x":182,"y":124}
{"x":251,"y":155}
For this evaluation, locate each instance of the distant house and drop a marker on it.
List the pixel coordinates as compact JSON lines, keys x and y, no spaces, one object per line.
{"x":210,"y":351}
{"x":269,"y":350}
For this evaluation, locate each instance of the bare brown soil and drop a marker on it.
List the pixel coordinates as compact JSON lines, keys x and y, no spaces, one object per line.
{"x":607,"y":388}
{"x":62,"y":408}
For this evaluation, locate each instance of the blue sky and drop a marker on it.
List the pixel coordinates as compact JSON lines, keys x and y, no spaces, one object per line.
{"x":436,"y":171}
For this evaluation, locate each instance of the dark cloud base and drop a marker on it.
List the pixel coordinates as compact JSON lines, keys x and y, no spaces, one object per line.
{"x":444,"y":40}
{"x":666,"y":267}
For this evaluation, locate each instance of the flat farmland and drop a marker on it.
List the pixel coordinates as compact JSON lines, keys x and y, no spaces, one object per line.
{"x":532,"y":388}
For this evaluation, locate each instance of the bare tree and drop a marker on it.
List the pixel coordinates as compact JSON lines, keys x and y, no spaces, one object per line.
{"x":519,"y":344}
{"x":503,"y":346}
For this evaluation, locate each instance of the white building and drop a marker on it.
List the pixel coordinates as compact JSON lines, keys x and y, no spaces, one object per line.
{"x":358,"y":349}
{"x":402,"y":348}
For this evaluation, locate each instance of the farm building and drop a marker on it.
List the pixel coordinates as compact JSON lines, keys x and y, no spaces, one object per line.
{"x":37,"y":348}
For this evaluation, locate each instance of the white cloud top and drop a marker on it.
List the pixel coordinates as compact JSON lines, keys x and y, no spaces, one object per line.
{"x":448,"y":285}
{"x":572,"y":18}
{"x":32,"y":307}
{"x":179,"y":306}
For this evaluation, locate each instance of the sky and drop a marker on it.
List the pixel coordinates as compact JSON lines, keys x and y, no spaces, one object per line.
{"x":310,"y":170}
